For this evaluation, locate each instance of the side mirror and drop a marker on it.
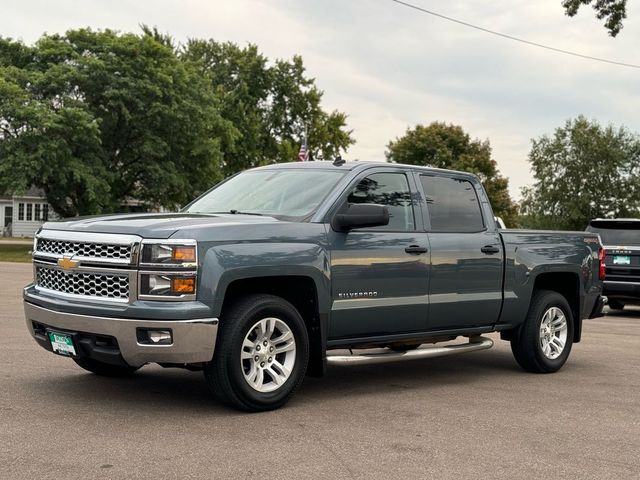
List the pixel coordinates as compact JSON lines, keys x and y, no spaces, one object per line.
{"x":360,"y":215}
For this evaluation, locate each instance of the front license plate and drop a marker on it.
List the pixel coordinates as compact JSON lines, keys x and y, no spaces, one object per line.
{"x":622,"y":260}
{"x":62,"y":344}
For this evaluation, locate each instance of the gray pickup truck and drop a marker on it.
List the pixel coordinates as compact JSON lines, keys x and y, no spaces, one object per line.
{"x":262,"y":279}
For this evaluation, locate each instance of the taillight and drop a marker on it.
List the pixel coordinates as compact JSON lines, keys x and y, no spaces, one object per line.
{"x":602,"y":270}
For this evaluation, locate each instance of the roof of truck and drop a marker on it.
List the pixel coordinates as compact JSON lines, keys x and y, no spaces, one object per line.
{"x":358,"y":165}
{"x":614,"y":220}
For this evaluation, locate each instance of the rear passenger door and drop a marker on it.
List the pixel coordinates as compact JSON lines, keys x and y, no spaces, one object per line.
{"x":466,"y":253}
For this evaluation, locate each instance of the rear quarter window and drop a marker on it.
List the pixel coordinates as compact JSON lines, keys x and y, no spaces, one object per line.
{"x":452,"y":203}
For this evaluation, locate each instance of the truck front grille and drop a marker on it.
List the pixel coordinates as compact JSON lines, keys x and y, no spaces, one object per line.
{"x":97,"y":285}
{"x":101,"y":251}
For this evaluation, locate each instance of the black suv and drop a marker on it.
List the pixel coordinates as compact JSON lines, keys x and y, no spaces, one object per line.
{"x":621,"y":240}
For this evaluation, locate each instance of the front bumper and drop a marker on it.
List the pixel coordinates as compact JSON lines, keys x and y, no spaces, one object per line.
{"x":193,"y":340}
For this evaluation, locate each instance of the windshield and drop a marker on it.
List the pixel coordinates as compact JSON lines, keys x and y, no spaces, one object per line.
{"x":290,"y":193}
{"x":617,"y":233}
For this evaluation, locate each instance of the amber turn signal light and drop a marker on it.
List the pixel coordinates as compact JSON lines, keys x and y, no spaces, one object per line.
{"x":183,"y":285}
{"x":184,"y":253}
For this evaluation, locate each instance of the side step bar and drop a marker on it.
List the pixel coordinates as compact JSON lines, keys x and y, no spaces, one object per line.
{"x":475,"y":343}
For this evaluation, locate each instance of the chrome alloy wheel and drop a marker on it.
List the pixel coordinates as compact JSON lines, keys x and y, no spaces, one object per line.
{"x":553,"y":333}
{"x":268,"y":355}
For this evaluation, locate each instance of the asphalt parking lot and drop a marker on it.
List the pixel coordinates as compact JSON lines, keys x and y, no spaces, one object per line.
{"x":475,"y":415}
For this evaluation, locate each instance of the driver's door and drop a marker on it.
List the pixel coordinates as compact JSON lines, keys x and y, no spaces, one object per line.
{"x":379,"y":276}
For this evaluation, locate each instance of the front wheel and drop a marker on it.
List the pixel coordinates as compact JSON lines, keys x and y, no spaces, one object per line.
{"x":543,"y":342}
{"x":261,"y":354}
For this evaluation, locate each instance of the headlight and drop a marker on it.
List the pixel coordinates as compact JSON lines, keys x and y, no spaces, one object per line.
{"x":170,"y":253}
{"x":168,"y":270}
{"x":167,"y":285}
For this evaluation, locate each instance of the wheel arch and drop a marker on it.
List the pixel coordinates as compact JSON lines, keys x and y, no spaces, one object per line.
{"x":566,"y":284}
{"x":299,"y":290}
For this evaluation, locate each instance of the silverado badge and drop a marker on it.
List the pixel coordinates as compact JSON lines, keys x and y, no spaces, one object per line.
{"x":67,"y":263}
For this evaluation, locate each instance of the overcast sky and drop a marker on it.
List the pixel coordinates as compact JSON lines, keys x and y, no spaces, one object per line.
{"x":389,"y":67}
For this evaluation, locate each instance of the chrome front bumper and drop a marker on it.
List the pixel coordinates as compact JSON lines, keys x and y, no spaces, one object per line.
{"x":193,"y":340}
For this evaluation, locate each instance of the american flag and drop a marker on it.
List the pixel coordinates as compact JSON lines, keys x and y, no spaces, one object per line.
{"x":303,"y":154}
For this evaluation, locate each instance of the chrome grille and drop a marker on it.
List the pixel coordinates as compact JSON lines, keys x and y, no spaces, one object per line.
{"x":98,"y":285}
{"x":84,"y":249}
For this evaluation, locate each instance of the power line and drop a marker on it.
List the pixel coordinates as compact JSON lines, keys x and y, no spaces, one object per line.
{"x":515,"y":39}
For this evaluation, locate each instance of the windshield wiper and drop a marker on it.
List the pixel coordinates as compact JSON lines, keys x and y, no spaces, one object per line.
{"x":232,"y":211}
{"x":238,"y":212}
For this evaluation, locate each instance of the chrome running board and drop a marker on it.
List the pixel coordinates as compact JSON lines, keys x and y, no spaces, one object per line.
{"x":475,"y":343}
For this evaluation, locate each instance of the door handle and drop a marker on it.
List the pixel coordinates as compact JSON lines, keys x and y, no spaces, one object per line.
{"x":490,"y":249}
{"x":417,"y":249}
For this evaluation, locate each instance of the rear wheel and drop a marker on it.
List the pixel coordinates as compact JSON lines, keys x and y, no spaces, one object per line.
{"x":104,"y":369}
{"x":543,"y":342}
{"x":616,"y":305}
{"x":261,"y":354}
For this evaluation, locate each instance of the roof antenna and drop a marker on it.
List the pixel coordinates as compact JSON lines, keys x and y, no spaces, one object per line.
{"x":339,"y":161}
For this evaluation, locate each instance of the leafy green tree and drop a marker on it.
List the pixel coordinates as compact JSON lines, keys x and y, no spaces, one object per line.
{"x":269,"y":103}
{"x":612,"y":11}
{"x":95,"y":118}
{"x":444,"y":145}
{"x":583,"y":171}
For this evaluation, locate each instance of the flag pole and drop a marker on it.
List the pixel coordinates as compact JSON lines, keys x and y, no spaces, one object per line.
{"x":306,"y":142}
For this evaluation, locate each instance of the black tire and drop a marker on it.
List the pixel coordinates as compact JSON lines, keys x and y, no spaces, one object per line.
{"x":224,"y":374}
{"x":526,"y":343}
{"x":104,"y":369}
{"x":403,"y":348}
{"x":616,"y":305}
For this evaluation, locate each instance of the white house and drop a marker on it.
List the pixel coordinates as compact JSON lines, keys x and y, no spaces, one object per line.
{"x":22,"y":215}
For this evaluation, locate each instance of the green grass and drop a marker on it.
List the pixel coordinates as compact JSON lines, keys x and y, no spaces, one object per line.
{"x":15,"y":253}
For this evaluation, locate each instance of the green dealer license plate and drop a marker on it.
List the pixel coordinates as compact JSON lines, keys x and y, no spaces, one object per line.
{"x":62,"y":344}
{"x":621,"y":260}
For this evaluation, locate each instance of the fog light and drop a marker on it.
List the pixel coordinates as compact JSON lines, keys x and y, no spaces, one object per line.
{"x":160,"y":336}
{"x":154,"y":337}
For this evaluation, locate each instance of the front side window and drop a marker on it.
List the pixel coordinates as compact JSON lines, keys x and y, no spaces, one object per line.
{"x":452,"y":203}
{"x":391,"y":190}
{"x":288,"y":193}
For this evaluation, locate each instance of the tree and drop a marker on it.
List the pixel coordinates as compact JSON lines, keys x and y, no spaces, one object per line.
{"x":270,"y":104}
{"x":583,"y":171}
{"x":97,"y":117}
{"x":612,"y":11}
{"x":443,"y":145}
{"x":94,"y":118}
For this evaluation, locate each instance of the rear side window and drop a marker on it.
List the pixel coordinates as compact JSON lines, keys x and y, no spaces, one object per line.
{"x":392,"y":190}
{"x":453,"y":204}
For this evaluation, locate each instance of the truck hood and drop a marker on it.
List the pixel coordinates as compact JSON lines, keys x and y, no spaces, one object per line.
{"x":153,"y":225}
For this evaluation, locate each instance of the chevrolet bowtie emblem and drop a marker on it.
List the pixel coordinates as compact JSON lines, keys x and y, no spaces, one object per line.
{"x":67,"y":263}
